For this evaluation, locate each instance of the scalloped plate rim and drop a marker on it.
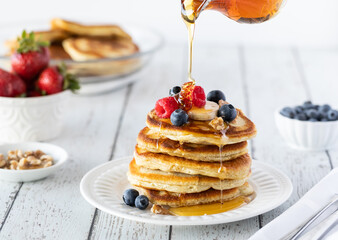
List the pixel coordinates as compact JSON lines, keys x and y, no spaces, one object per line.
{"x":87,"y":187}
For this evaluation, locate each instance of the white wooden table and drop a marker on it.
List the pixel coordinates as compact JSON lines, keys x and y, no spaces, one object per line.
{"x":103,"y":128}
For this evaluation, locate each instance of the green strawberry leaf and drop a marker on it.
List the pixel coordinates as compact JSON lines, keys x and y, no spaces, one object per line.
{"x":70,"y":81}
{"x":28,"y":43}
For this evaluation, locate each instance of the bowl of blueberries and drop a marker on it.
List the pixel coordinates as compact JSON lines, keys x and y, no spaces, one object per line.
{"x":309,"y":126}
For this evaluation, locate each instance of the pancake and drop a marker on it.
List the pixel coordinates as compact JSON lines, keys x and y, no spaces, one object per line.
{"x":51,"y":36}
{"x":165,"y":198}
{"x":237,"y":168}
{"x":83,"y":48}
{"x":200,"y":132}
{"x":177,"y":182}
{"x":111,"y":31}
{"x":153,"y":142}
{"x":57,"y":52}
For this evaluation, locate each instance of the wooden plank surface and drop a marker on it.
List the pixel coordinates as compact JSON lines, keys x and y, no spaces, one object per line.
{"x":257,"y":79}
{"x":274,"y":80}
{"x":9,"y":192}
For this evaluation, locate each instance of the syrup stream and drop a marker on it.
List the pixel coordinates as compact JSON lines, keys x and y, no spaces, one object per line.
{"x":220,"y":169}
{"x":224,"y":136}
{"x":159,"y":134}
{"x":189,"y":16}
{"x":191,"y":32}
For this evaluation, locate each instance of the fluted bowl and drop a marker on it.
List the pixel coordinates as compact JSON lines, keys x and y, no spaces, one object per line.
{"x":307,"y":135}
{"x":32,"y":119}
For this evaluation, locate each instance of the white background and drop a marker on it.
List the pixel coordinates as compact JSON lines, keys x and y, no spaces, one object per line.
{"x":300,"y":22}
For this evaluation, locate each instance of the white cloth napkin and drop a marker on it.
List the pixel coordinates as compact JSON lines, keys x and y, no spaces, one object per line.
{"x":293,"y":218}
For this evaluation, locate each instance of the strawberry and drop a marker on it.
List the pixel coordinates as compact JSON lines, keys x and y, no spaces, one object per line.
{"x":34,"y":93}
{"x":50,"y":81}
{"x":55,"y":79}
{"x":11,"y":85}
{"x":164,"y":107}
{"x":5,"y":90}
{"x":30,"y":58}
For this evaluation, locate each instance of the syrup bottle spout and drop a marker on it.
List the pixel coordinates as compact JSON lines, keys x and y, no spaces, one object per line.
{"x":191,"y":9}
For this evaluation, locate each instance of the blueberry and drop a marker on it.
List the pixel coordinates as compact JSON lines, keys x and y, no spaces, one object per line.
{"x":215,"y":96}
{"x":313,"y":120}
{"x":312,"y":113}
{"x":179,"y":117}
{"x":316,"y":107}
{"x":175,"y":90}
{"x":332,"y":115}
{"x":129,"y":197}
{"x":301,"y":117}
{"x":324,"y":120}
{"x":141,"y":202}
{"x":288,"y":112}
{"x":298,"y":109}
{"x":324,"y":108}
{"x":307,"y":104}
{"x":321,"y":115}
{"x":227,"y":112}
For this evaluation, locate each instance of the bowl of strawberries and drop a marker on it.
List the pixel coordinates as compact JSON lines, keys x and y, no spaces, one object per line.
{"x":33,"y":93}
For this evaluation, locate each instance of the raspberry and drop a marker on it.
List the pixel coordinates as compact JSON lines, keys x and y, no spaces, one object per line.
{"x":198,"y":96}
{"x":165,"y":106}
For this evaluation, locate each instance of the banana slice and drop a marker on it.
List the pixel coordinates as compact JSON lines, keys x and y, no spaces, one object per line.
{"x":208,"y":112}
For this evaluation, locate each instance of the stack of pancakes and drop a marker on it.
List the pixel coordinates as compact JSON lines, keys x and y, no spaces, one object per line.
{"x":192,"y":164}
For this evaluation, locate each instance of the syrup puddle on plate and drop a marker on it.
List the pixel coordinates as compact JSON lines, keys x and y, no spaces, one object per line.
{"x":212,"y":208}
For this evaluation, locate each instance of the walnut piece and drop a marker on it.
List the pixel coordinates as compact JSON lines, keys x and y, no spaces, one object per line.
{"x":222,"y":102}
{"x":3,"y":162}
{"x":217,"y":123}
{"x":157,"y":209}
{"x":19,"y":160}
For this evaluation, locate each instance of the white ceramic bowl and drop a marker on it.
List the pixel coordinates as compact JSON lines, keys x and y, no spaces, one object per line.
{"x":32,"y":119}
{"x":59,"y":155}
{"x":307,"y":135}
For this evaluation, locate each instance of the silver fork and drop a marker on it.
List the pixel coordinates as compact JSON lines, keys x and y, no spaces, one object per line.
{"x":311,"y":220}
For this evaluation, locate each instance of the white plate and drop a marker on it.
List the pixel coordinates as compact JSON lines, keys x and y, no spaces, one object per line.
{"x":103,"y":187}
{"x":59,"y":155}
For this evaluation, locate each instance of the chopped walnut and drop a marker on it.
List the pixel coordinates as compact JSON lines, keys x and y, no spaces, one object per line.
{"x":17,"y":160}
{"x":157,"y":209}
{"x":46,"y":157}
{"x":48,"y":164}
{"x":13,"y":165}
{"x":34,"y":161}
{"x":29,"y":153}
{"x":23,"y":163}
{"x":19,"y":153}
{"x":11,"y":155}
{"x":217,"y":123}
{"x":39,"y":153}
{"x":222,"y":102}
{"x":3,"y":162}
